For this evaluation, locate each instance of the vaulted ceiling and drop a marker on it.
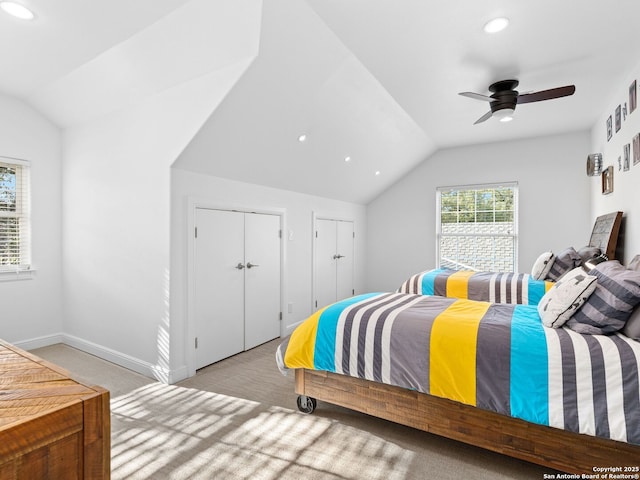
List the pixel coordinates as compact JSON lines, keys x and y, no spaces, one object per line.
{"x":373,"y":81}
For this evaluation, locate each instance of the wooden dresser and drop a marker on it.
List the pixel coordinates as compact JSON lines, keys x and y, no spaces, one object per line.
{"x":51,"y":426}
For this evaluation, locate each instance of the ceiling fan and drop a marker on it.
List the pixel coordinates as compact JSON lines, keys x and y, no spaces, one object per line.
{"x":504,"y":98}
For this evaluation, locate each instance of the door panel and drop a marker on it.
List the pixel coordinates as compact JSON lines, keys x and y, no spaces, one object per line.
{"x":262,"y":282}
{"x":344,"y":264}
{"x":325,"y":264}
{"x":219,"y":285}
{"x":333,"y":262}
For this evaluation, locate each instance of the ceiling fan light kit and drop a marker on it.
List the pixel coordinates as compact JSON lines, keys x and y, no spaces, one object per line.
{"x":505,"y":97}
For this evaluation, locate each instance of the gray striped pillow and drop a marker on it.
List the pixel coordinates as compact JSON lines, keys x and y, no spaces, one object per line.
{"x":565,"y":261}
{"x":609,"y":307}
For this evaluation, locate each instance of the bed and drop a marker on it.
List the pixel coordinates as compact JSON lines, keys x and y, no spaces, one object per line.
{"x":438,"y":364}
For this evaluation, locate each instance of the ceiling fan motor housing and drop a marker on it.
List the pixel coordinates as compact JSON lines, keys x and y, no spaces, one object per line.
{"x":504,"y":95}
{"x":504,"y":99}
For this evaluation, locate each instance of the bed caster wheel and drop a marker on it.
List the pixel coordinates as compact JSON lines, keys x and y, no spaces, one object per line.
{"x":306,"y":404}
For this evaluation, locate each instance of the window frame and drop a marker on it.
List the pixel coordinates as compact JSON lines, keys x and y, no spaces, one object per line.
{"x":23,"y":270}
{"x":474,"y":187}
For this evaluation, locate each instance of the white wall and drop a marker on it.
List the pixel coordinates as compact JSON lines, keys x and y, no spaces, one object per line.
{"x":554,"y":202}
{"x":298,"y":209}
{"x":625,"y":196}
{"x":32,"y":308}
{"x":116,"y":204}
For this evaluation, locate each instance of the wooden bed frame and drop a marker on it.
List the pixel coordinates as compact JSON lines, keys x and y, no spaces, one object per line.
{"x":551,"y":447}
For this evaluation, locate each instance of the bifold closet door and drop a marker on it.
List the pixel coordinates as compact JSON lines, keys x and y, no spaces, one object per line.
{"x":344,"y":264}
{"x":219,"y":285}
{"x":237,"y":282}
{"x":262,"y":279}
{"x":333,"y":263}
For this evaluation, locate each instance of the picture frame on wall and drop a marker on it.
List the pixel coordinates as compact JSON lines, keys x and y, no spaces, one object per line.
{"x":636,"y":149}
{"x":627,"y":157}
{"x":618,"y":118}
{"x":609,"y":128}
{"x":607,"y":180}
{"x":633,"y":96}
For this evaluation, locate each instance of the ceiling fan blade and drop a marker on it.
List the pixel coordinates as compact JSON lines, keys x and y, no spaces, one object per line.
{"x":547,"y":94}
{"x":484,"y":118}
{"x":477,"y":96}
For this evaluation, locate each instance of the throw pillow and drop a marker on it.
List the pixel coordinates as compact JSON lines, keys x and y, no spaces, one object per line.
{"x":566,"y":297}
{"x":635,"y":263}
{"x":607,"y":310}
{"x":588,"y":252}
{"x":632,"y":327}
{"x":566,"y":260}
{"x":542,"y":265}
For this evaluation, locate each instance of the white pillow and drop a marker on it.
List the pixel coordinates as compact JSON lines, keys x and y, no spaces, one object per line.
{"x":542,"y":265}
{"x":565,"y":297}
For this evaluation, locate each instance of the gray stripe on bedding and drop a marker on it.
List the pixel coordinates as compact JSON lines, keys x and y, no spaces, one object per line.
{"x":348,"y":326}
{"x":507,"y":280}
{"x":479,"y":290}
{"x":569,"y":393}
{"x":377,"y":340}
{"x":493,"y":351}
{"x":440,"y":283}
{"x":408,"y":337}
{"x":600,"y":405}
{"x":630,"y":387}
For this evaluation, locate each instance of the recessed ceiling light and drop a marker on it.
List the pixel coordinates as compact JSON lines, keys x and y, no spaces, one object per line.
{"x":17,"y":10}
{"x":496,"y":25}
{"x":302,"y":138}
{"x":377,"y":172}
{"x":347,"y":159}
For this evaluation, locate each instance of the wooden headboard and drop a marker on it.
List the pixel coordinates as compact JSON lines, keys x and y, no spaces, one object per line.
{"x":605,"y":233}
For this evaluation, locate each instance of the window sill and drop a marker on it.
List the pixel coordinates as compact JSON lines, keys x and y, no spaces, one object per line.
{"x":16,"y":275}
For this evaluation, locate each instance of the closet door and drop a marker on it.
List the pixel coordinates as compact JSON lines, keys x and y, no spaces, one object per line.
{"x":333,"y":262}
{"x":219,"y":285}
{"x":345,"y":260}
{"x":262,"y":279}
{"x":324,"y":263}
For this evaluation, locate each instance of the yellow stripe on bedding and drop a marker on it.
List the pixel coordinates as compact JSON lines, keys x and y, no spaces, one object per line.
{"x":300,"y":351}
{"x":454,"y":336}
{"x":548,"y":285}
{"x":458,"y":284}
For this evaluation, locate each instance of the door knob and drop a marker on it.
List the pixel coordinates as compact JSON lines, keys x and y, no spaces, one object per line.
{"x":337,"y":256}
{"x":239,"y":266}
{"x":251,"y":265}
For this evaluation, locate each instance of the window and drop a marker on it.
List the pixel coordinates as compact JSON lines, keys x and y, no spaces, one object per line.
{"x":477,"y":227}
{"x":15,"y":237}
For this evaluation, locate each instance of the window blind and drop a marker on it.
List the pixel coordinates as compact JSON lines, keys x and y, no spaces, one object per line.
{"x":15,"y":224}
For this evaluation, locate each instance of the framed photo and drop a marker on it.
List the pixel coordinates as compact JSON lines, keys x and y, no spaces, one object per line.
{"x":607,"y":180}
{"x":627,"y":157}
{"x":633,"y":96}
{"x":636,"y":149}
{"x":618,"y":118}
{"x":609,"y":128}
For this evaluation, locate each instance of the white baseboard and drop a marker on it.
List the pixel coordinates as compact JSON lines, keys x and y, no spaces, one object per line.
{"x":160,"y":373}
{"x":288,"y":330}
{"x":40,"y":342}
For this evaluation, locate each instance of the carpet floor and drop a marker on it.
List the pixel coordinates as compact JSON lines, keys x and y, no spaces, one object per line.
{"x":237,"y":419}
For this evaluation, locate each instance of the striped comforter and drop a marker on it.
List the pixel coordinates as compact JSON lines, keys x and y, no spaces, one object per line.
{"x":514,"y":288}
{"x":498,"y":357}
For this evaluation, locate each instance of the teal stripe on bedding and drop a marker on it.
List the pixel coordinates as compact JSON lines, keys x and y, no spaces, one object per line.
{"x":529,"y":366}
{"x":324,"y":350}
{"x":536,"y":291}
{"x":428,"y":281}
